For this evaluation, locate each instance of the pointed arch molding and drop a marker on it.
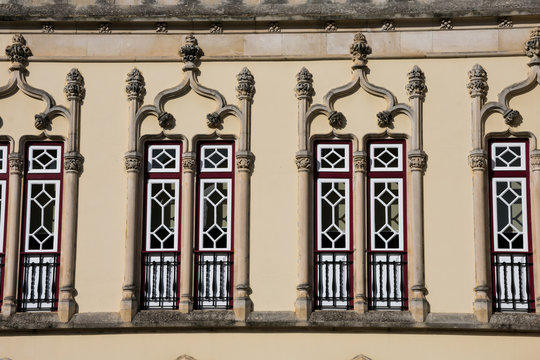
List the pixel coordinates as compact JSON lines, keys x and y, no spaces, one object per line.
{"x":416,"y":89}
{"x":481,"y":110}
{"x":18,"y":53}
{"x":191,"y":54}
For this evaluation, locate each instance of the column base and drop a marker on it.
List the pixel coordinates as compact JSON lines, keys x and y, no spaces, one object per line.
{"x":66,"y":309}
{"x":243,"y":306}
{"x":186,"y":304}
{"x":9,"y":306}
{"x":128,"y":309}
{"x":482,"y":309}
{"x":419,"y":308}
{"x":360,"y":304}
{"x":303,"y":308}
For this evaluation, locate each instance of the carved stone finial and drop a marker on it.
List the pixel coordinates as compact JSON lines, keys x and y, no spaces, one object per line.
{"x":213,"y":120}
{"x":304,"y":84}
{"x":246,"y":85}
{"x":388,"y":25}
{"x":360,"y":50}
{"x":74,"y":88}
{"x":336,"y":119}
{"x":330,"y":26}
{"x":135,"y":85}
{"x":166,"y":120}
{"x":18,"y":53}
{"x":385,"y":119}
{"x":478,"y":86}
{"x":41,"y":121}
{"x":416,"y":88}
{"x":216,"y":28}
{"x":446,"y":24}
{"x":478,"y":160}
{"x":162,"y":27}
{"x":532,"y":46}
{"x":511,"y":117}
{"x":191,"y":52}
{"x":274,"y":27}
{"x":505,"y":22}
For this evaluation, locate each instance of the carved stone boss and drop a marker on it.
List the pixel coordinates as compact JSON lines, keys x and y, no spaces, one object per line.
{"x":416,"y":89}
{"x":191,"y":54}
{"x":18,"y":53}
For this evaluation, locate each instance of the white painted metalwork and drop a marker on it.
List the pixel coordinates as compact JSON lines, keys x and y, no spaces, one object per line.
{"x":333,"y":157}
{"x":333,"y":214}
{"x":162,"y":214}
{"x":161,"y":280}
{"x":510,"y":214}
{"x":387,"y":280}
{"x":164,"y":158}
{"x":333,"y":284}
{"x":216,"y":158}
{"x":44,"y":159}
{"x":386,"y":157}
{"x":386,"y":221}
{"x":214,"y":280}
{"x":508,"y":156}
{"x":511,"y":281}
{"x":215,"y":214}
{"x":42,"y":211}
{"x":39,"y":282}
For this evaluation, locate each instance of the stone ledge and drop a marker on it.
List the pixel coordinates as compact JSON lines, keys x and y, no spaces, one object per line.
{"x":279,"y":321}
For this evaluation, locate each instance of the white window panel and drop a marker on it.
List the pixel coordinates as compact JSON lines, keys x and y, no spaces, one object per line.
{"x":509,"y":199}
{"x":44,"y":159}
{"x":164,"y":158}
{"x":162,"y":215}
{"x":3,"y":159}
{"x":216,"y":158}
{"x":386,"y":212}
{"x":215,"y":214}
{"x":333,"y":214}
{"x":333,"y":157}
{"x":386,"y":157}
{"x":2,"y":213}
{"x":42,"y":205}
{"x":508,"y":156}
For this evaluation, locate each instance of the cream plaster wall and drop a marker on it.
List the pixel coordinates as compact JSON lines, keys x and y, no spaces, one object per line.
{"x":102,"y":205}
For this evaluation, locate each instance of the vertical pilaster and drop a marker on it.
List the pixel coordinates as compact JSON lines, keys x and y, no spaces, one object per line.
{"x":16,"y":168}
{"x":359,"y":237}
{"x":535,"y":209}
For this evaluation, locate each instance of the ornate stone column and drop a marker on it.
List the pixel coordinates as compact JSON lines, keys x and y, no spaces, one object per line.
{"x":535,"y":207}
{"x":478,"y":89}
{"x":73,"y":166}
{"x":133,"y":162}
{"x":304,"y":298}
{"x":16,"y":169}
{"x":359,"y":223}
{"x":189,"y":165}
{"x":416,"y":89}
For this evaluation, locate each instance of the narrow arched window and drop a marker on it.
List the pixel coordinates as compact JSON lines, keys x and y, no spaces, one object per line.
{"x":511,"y":243}
{"x":387,"y":240}
{"x":161,"y":243}
{"x":333,"y":226}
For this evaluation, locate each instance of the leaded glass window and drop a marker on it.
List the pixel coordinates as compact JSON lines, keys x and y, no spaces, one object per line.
{"x":215,"y":232}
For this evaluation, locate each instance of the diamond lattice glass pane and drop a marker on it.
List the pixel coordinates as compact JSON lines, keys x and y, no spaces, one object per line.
{"x":333,"y":215}
{"x":215,"y":213}
{"x":386,"y":216}
{"x":162,"y":215}
{"x":164,"y":158}
{"x":42,"y":212}
{"x":509,"y":215}
{"x":385,"y":157}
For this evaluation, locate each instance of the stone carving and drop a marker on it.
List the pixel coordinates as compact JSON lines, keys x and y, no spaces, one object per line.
{"x":185,"y":357}
{"x":216,"y":28}
{"x":135,"y":85}
{"x":104,"y":28}
{"x":388,"y":25}
{"x":360,"y":163}
{"x":244,"y":162}
{"x":385,"y":119}
{"x":133,"y":162}
{"x":304,"y":84}
{"x":74,"y":88}
{"x":41,"y":121}
{"x":213,"y":120}
{"x":416,"y":88}
{"x":330,"y":26}
{"x":532,"y":46}
{"x":246,"y":84}
{"x":478,"y":161}
{"x":166,"y":120}
{"x":478,"y":85}
{"x":162,"y":27}
{"x":73,"y":162}
{"x":511,"y":117}
{"x":47,"y":28}
{"x":336,"y":119}
{"x":360,"y":49}
{"x":505,"y":22}
{"x":274,"y":27}
{"x":446,"y":24}
{"x":303,"y":162}
{"x":361,"y":357}
{"x":16,"y":164}
{"x":535,"y":160}
{"x":417,"y":161}
{"x":190,"y":51}
{"x":18,"y":53}
{"x":189,"y":164}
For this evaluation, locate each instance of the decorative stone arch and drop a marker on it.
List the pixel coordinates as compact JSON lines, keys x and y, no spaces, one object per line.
{"x":478,"y":161}
{"x":135,"y":88}
{"x":307,"y":112}
{"x":18,"y":53}
{"x":185,"y":357}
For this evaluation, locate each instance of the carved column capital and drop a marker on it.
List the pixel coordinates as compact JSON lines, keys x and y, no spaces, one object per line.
{"x":535,"y":160}
{"x":478,"y":160}
{"x":303,"y":161}
{"x":73,"y":162}
{"x":478,"y":86}
{"x":74,"y":88}
{"x":304,"y":84}
{"x":245,"y":161}
{"x":189,"y":162}
{"x":191,"y":52}
{"x":133,"y":162}
{"x":16,"y":164}
{"x":18,"y":53}
{"x":360,"y":162}
{"x":416,"y":88}
{"x":359,"y":50}
{"x":417,"y":160}
{"x":135,"y":85}
{"x":246,"y":85}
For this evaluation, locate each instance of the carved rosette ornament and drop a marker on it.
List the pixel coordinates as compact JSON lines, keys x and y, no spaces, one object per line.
{"x":135,"y":85}
{"x":303,"y":162}
{"x":245,"y":162}
{"x":360,"y":50}
{"x":16,"y":164}
{"x":388,"y":25}
{"x":189,"y":164}
{"x":385,"y":119}
{"x":246,"y":85}
{"x":191,"y":52}
{"x":213,"y":120}
{"x":18,"y":53}
{"x":41,"y":121}
{"x":73,"y":162}
{"x":535,"y":160}
{"x":511,"y":117}
{"x":360,"y":163}
{"x":478,"y":86}
{"x":532,"y":46}
{"x":304,"y":84}
{"x":166,"y":120}
{"x":74,"y":88}
{"x":336,"y":119}
{"x":478,"y":160}
{"x":417,"y":160}
{"x":416,"y":88}
{"x":133,"y":162}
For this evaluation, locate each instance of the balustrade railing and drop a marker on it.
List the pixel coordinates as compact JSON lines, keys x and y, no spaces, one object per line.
{"x":387,"y":280}
{"x":160,"y":284}
{"x":213,"y":288}
{"x":512,"y":287}
{"x":39,"y":282}
{"x":333,"y":273}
